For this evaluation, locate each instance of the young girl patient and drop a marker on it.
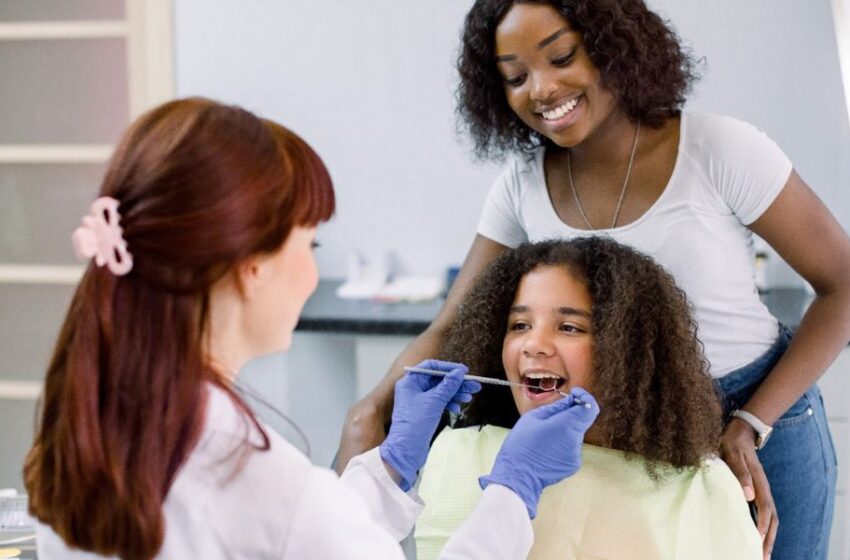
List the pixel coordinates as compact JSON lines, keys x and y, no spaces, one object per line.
{"x":595,"y":314}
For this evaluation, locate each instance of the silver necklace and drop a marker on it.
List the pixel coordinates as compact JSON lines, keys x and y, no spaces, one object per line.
{"x":622,"y":192}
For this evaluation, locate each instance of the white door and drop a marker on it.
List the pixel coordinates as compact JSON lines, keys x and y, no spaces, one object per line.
{"x":73,"y":74}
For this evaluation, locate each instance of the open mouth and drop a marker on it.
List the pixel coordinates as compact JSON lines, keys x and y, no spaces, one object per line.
{"x":562,"y":110}
{"x":537,"y":383}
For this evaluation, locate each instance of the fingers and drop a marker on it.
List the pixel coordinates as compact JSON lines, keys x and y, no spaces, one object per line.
{"x":738,"y":443}
{"x":580,"y":394}
{"x":426,"y":382}
{"x":763,"y":499}
{"x":415,"y":383}
{"x":770,"y":538}
{"x":462,"y":397}
{"x":734,"y":456}
{"x":551,"y":409}
{"x":470,"y":386}
{"x":450,"y":384}
{"x":739,"y":453}
{"x":742,"y":473}
{"x":583,"y":414}
{"x":451,"y":390}
{"x":440,"y":365}
{"x":459,"y":399}
{"x":767,"y":521}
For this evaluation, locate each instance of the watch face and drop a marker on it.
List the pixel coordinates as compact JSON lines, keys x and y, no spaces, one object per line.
{"x":761,"y":439}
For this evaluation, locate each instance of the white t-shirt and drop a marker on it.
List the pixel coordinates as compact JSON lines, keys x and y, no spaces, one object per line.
{"x":280,"y":506}
{"x":726,"y":175}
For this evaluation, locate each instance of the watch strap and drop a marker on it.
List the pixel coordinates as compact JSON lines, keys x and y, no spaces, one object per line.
{"x":762,"y":430}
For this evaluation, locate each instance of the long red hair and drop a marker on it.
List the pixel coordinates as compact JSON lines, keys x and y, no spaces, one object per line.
{"x":201,"y":186}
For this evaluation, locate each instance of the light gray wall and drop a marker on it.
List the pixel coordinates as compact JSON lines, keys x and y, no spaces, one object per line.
{"x":370,"y":85}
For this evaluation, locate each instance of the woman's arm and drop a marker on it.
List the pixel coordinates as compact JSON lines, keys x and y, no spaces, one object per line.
{"x":364,"y":424}
{"x":804,"y":233}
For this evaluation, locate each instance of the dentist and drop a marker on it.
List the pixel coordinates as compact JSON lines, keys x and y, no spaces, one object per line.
{"x":201,"y":245}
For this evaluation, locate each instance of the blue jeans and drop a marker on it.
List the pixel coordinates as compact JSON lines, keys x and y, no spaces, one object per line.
{"x":799,"y":460}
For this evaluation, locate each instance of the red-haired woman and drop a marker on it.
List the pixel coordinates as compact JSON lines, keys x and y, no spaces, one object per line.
{"x":201,"y":242}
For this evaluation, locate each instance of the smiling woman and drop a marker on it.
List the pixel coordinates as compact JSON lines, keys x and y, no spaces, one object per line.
{"x":514,"y":103}
{"x":530,"y":72}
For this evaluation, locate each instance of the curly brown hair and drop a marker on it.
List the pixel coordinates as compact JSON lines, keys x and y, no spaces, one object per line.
{"x":650,"y":377}
{"x":639,"y":56}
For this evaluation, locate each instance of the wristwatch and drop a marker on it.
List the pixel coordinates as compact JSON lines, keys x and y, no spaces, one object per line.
{"x":762,"y":430}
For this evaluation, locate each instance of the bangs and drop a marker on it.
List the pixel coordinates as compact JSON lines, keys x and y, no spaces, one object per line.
{"x":310,"y":194}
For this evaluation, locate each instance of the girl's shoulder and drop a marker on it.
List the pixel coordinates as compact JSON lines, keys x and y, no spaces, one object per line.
{"x":717,"y":476}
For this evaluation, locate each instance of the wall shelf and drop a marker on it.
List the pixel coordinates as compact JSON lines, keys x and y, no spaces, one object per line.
{"x":38,"y":30}
{"x":41,"y":274}
{"x":55,"y":153}
{"x":19,"y":390}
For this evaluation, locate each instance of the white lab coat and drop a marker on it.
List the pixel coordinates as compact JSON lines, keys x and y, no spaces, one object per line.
{"x":277,"y":505}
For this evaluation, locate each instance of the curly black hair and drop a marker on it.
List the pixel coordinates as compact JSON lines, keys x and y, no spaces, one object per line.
{"x":651,"y":380}
{"x":639,"y":57}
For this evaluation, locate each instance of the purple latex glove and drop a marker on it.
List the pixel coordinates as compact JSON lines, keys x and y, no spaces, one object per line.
{"x":420,"y":400}
{"x":543,"y":448}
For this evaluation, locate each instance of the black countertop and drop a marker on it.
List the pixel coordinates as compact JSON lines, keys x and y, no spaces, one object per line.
{"x":325,"y":312}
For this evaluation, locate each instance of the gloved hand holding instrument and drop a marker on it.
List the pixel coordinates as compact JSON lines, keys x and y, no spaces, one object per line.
{"x":420,"y":400}
{"x":544,"y":447}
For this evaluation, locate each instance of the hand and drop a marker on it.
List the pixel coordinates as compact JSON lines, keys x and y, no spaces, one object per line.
{"x":420,"y":400}
{"x":738,"y":450}
{"x":543,"y":448}
{"x":363,"y":429}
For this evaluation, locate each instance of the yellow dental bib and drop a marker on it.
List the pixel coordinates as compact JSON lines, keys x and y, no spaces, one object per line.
{"x":609,"y":510}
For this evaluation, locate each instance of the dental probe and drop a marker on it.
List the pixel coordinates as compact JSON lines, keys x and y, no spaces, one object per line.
{"x":478,"y":378}
{"x":491,"y":381}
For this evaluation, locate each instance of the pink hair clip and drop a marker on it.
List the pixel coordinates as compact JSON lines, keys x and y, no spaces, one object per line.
{"x":100,"y":237}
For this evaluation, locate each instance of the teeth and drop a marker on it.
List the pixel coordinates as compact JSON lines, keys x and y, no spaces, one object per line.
{"x":542,"y":376}
{"x":542,"y":382}
{"x":559,"y":112}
